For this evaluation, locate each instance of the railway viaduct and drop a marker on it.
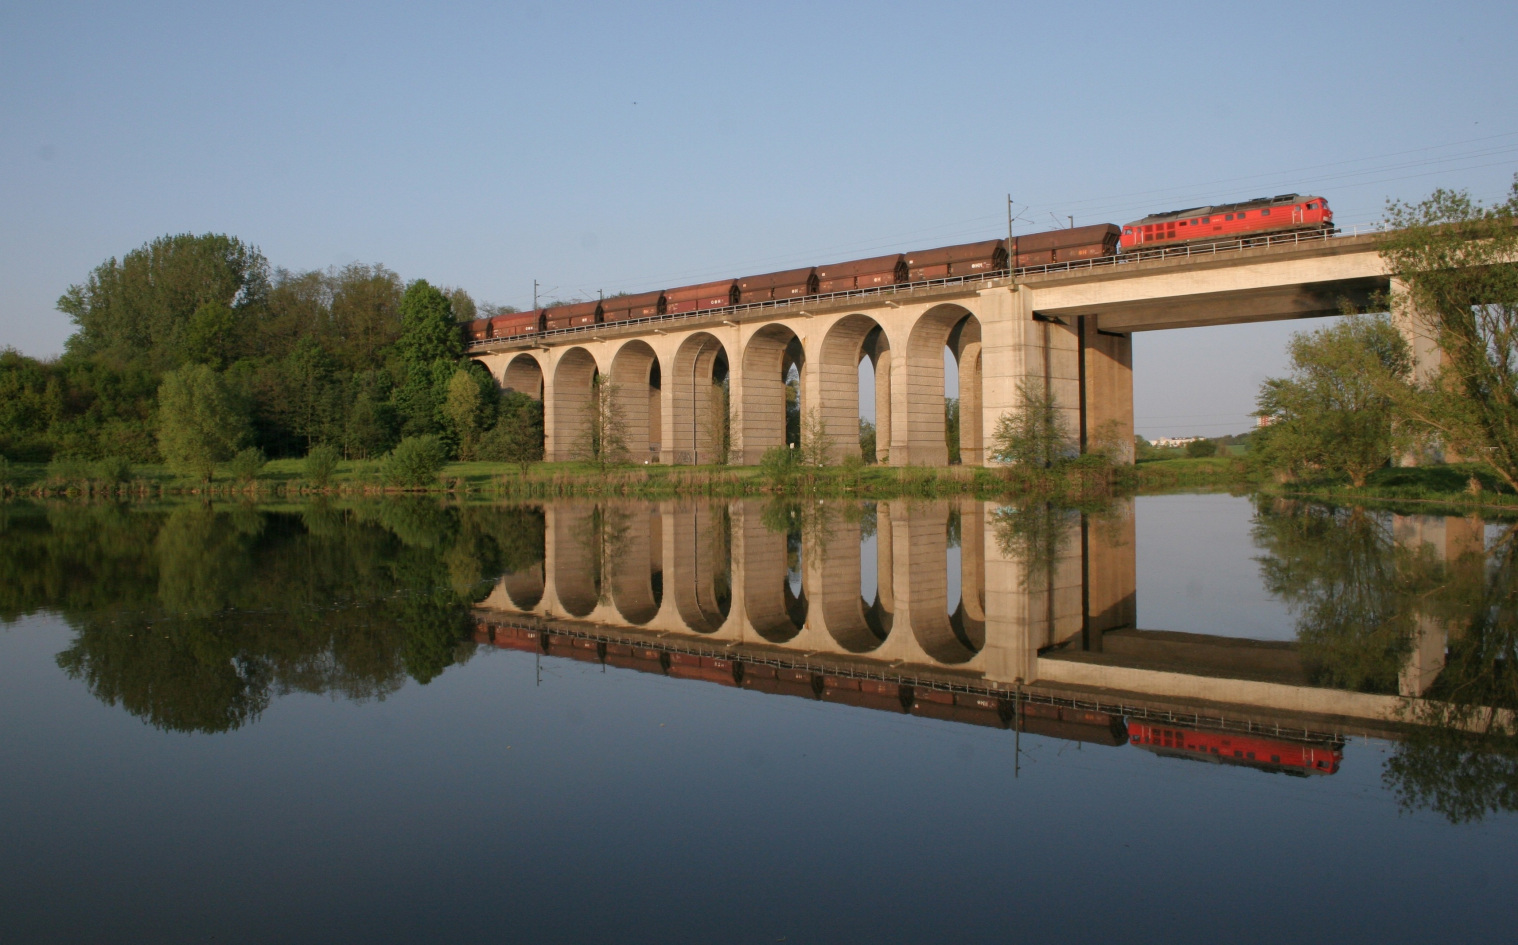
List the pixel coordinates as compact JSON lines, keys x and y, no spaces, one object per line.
{"x":1065,"y":327}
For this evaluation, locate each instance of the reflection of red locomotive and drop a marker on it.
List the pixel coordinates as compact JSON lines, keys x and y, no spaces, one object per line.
{"x":1296,"y":758}
{"x":1265,"y":216}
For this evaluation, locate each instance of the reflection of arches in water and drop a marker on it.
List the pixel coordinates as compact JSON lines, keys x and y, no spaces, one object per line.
{"x":702,"y":582}
{"x":629,"y":543}
{"x":968,"y":620}
{"x":576,"y":568}
{"x":927,"y":541}
{"x":768,"y":597}
{"x":850,"y":594}
{"x":795,"y":583}
{"x":524,"y":588}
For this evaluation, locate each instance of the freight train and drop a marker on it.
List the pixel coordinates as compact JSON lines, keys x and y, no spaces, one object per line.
{"x":1260,"y":218}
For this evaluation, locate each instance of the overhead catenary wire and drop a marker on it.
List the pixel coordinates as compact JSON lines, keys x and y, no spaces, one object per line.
{"x":1140,"y":202}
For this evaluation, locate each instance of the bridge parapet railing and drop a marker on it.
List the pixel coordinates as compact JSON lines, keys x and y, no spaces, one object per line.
{"x":730,"y":312}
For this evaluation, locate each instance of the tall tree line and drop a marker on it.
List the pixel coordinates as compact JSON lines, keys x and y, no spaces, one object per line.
{"x":349,"y":356}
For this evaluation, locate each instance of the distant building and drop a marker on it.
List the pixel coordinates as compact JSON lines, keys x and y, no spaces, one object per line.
{"x":1265,"y":421}
{"x":1172,"y":442}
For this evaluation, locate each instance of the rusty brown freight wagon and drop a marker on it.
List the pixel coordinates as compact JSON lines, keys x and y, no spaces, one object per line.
{"x":1051,"y":246}
{"x":516,"y":323}
{"x":790,"y":284}
{"x":862,"y":273}
{"x":571,"y":316}
{"x":966,"y":259}
{"x":697,"y":298}
{"x":622,"y":308}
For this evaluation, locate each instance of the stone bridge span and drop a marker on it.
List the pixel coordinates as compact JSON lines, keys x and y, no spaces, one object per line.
{"x":1067,"y":329}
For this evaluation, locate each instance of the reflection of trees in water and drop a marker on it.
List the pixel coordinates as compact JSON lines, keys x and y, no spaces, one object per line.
{"x":1355,"y":593}
{"x":193,"y":619}
{"x":1035,"y":535}
{"x":1462,"y":759}
{"x":1360,"y":598}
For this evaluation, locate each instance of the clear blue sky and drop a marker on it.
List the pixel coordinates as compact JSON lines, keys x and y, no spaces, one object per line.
{"x":638,"y":146}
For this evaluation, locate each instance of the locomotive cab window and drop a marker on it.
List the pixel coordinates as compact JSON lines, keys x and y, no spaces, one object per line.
{"x":1228,"y":216}
{"x":1312,"y":206}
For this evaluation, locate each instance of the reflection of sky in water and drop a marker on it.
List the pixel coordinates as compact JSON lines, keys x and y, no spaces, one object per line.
{"x":1197,"y":571}
{"x":869,"y":563}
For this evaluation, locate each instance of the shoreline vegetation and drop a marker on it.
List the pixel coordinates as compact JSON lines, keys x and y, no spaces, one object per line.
{"x":1461,"y":488}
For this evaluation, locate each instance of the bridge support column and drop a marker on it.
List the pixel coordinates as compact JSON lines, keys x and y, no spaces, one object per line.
{"x":1017,"y":346}
{"x":1423,"y":343}
{"x":1107,"y":391}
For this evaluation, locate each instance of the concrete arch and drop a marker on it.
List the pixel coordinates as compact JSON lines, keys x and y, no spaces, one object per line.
{"x":761,"y":406}
{"x":696,"y":419}
{"x":570,"y":407}
{"x":837,"y":377}
{"x":964,"y":341}
{"x":637,"y":379}
{"x":920,"y":439}
{"x":524,"y":375}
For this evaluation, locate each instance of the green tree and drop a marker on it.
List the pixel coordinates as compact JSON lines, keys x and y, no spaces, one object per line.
{"x":1037,"y":434}
{"x":247,"y":464}
{"x":1456,"y":257}
{"x":1337,"y":411}
{"x":311,"y":392}
{"x":470,"y":407}
{"x":867,"y":444}
{"x":428,"y":330}
{"x":141,"y":308}
{"x":415,"y":462}
{"x":517,"y":436}
{"x":602,"y":438}
{"x":320,"y":465}
{"x":199,"y":423}
{"x":951,"y":427}
{"x":816,"y":442}
{"x":1198,"y":449}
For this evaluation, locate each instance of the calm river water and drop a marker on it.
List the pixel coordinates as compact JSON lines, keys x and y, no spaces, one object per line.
{"x":1189,"y":718}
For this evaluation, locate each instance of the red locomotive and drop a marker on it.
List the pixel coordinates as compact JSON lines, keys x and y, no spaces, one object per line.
{"x":1250,"y":750}
{"x":1229,"y":221}
{"x":1266,"y":216}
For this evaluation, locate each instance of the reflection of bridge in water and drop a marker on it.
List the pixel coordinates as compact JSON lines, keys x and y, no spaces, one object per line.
{"x":972,"y":614}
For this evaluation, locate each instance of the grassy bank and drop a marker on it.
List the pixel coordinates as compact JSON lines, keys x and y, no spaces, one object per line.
{"x":285,"y":478}
{"x":1457,"y":487}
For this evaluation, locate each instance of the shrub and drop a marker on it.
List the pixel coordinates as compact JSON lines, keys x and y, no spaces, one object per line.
{"x":113,"y":469}
{"x":415,"y":462}
{"x":247,"y":464}
{"x":66,"y":467}
{"x":320,"y":464}
{"x":778,"y":463}
{"x":1199,"y":448}
{"x":6,"y":473}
